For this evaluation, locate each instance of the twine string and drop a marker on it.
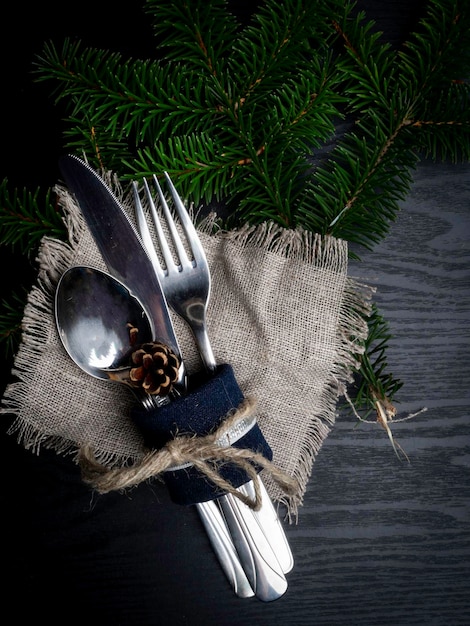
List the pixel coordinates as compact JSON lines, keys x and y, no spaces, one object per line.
{"x":204,"y":452}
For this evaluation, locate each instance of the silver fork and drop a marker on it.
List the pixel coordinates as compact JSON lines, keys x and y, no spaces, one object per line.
{"x":258,"y":535}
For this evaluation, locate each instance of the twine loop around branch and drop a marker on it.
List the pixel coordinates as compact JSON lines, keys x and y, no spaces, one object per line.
{"x":204,"y":452}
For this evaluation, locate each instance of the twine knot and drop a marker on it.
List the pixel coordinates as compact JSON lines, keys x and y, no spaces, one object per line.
{"x":204,"y":452}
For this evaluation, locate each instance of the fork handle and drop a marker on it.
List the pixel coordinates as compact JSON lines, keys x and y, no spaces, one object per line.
{"x":201,"y":337}
{"x":259,"y":536}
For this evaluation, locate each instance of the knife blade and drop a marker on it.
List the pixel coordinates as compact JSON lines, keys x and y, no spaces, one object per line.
{"x":127,"y":260}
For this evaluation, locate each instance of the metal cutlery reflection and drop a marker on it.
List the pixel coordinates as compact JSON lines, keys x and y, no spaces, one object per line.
{"x":128,"y":262}
{"x":258,"y":536}
{"x":99,"y":344}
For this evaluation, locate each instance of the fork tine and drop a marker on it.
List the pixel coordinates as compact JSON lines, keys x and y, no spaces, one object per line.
{"x":187,"y":224}
{"x":181,"y":252}
{"x":164,"y":247}
{"x":145,"y":232}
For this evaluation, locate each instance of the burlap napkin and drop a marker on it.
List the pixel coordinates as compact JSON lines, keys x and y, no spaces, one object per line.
{"x":283,"y":312}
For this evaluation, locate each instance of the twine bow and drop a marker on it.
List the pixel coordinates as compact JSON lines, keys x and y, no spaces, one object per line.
{"x":204,"y":452}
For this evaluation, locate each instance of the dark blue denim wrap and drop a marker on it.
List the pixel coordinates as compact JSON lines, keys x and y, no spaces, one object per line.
{"x":200,"y":412}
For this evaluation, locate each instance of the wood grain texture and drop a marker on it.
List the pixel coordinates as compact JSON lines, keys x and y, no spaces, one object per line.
{"x":390,"y":540}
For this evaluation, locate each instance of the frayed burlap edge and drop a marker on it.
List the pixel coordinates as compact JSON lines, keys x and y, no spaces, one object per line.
{"x":352,"y":331}
{"x":55,"y":256}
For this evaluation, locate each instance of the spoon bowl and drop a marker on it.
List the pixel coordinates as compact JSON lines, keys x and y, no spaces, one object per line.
{"x":99,"y":321}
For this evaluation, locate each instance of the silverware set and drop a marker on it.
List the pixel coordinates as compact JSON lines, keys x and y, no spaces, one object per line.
{"x":251,"y":546}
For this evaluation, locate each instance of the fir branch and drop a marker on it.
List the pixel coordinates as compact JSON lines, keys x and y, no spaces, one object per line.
{"x":439,"y":51}
{"x":190,"y":157}
{"x":26,"y":217}
{"x":11,"y":316}
{"x":443,"y":129}
{"x":109,"y":98}
{"x":263,"y":97}
{"x":187,"y":32}
{"x":105,"y":110}
{"x":440,"y":120}
{"x":369,"y":172}
{"x":374,"y":383}
{"x":287,"y":37}
{"x":368,"y":67}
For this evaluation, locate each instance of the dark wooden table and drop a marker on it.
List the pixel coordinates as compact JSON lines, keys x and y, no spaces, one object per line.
{"x":378,"y":541}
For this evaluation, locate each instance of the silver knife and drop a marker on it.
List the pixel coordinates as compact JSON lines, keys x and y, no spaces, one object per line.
{"x":127,"y":260}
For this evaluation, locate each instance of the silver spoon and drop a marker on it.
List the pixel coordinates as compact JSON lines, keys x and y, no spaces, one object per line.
{"x":92,"y":312}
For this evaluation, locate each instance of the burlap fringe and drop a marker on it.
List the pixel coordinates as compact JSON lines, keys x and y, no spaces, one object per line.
{"x":307,"y":247}
{"x":54,"y":257}
{"x":352,"y":331}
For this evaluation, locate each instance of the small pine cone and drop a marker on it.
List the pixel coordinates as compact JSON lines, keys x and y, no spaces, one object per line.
{"x":155,"y":368}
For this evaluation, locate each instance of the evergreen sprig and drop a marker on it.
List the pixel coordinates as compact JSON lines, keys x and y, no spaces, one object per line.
{"x":303,"y":116}
{"x":11,"y":315}
{"x":27,"y":216}
{"x":236,"y":114}
{"x":375,"y":383}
